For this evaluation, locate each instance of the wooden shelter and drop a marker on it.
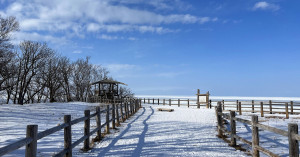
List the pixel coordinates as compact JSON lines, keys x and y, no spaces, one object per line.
{"x":107,"y":89}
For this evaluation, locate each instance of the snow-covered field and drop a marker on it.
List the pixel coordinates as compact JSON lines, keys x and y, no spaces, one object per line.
{"x":184,"y":132}
{"x":15,"y":118}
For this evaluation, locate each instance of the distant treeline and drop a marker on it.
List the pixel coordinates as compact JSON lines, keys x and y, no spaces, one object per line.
{"x":32,"y":72}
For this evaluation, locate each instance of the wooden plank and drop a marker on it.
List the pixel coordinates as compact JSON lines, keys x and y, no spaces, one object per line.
{"x":243,"y":140}
{"x":272,"y":129}
{"x":14,"y":146}
{"x":265,"y":151}
{"x":75,"y":121}
{"x":79,"y":141}
{"x":165,"y":109}
{"x":243,"y":120}
{"x":51,"y":131}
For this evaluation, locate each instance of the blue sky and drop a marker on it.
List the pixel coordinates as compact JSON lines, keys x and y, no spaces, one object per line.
{"x":173,"y":47}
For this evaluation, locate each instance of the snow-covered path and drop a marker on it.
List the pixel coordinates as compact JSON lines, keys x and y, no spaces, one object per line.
{"x":184,"y":132}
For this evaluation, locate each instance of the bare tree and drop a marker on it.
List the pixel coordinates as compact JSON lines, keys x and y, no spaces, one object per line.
{"x":7,"y":26}
{"x":65,"y":69}
{"x":32,"y":56}
{"x":81,"y":78}
{"x":126,"y":92}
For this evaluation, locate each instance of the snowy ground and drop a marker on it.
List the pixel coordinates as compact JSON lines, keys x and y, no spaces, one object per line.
{"x":184,"y":132}
{"x":15,"y":118}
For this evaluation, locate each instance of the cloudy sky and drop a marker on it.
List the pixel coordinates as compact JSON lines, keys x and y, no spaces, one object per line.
{"x":173,"y":47}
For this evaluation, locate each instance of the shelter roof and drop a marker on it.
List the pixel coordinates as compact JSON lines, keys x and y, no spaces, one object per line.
{"x":108,"y":81}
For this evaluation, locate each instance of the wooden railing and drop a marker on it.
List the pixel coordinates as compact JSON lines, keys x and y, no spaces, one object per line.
{"x":292,"y":132}
{"x":262,"y":107}
{"x":178,"y":102}
{"x":126,"y":109}
{"x":98,"y":99}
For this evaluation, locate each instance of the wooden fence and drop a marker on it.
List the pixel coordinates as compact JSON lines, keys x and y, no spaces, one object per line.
{"x":119,"y":112}
{"x":292,"y":132}
{"x":262,"y":107}
{"x":178,"y":102}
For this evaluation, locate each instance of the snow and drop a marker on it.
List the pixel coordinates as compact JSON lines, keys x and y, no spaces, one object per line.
{"x":15,"y":118}
{"x":184,"y":132}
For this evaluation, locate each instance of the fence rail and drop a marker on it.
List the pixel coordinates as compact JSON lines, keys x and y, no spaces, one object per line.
{"x":292,"y":132}
{"x":263,"y":107}
{"x":126,"y":109}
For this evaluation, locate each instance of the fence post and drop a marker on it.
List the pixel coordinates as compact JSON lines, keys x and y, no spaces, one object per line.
{"x":255,"y":136}
{"x":164,"y":101}
{"x":68,"y":136}
{"x":122,"y":115}
{"x":98,"y":122}
{"x":252,"y":106}
{"x":207,"y":99}
{"x":148,"y":101}
{"x":153,"y":100}
{"x":270,"y":106}
{"x":292,"y":107}
{"x":144,"y":100}
{"x":261,"y":109}
{"x":113,"y":115}
{"x":237,"y":105}
{"x":127,"y":110}
{"x":232,"y":128}
{"x":223,"y":104}
{"x":169,"y":102}
{"x":31,"y":148}
{"x":287,"y":110}
{"x":210,"y":104}
{"x":107,"y":119}
{"x":293,"y":144}
{"x":117,"y":113}
{"x":158,"y":101}
{"x":178,"y":102}
{"x":240,"y":108}
{"x":219,"y":119}
{"x":198,"y":101}
{"x":86,"y":145}
{"x":188,"y":102}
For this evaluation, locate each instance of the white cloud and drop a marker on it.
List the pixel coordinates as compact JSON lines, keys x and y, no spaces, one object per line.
{"x":21,"y":36}
{"x":110,"y":37}
{"x":265,"y":6}
{"x":120,"y":67}
{"x":75,"y":15}
{"x":77,"y":51}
